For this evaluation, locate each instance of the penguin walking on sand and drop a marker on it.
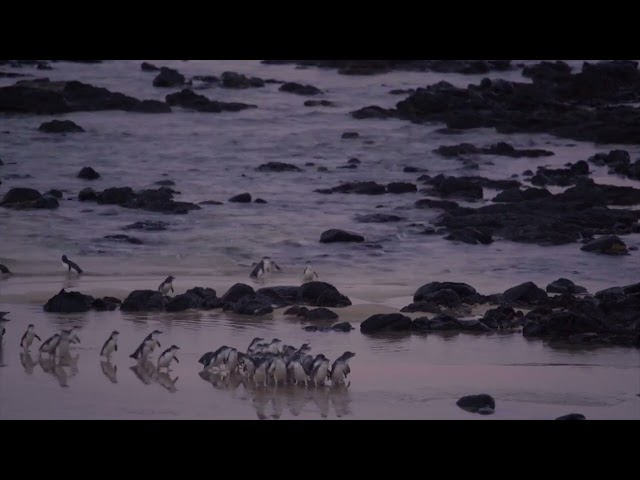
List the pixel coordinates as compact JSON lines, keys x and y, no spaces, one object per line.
{"x":167,"y":286}
{"x":147,"y":346}
{"x":111,"y":345}
{"x":28,"y":337}
{"x":69,"y":265}
{"x":167,"y":356}
{"x":309,"y":275}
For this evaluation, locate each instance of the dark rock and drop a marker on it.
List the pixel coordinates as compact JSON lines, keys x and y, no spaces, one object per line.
{"x":302,"y":312}
{"x":211,"y":202}
{"x":572,"y":416}
{"x":440,"y":204}
{"x":361,"y":188}
{"x":151,"y":106}
{"x":237,"y":80}
{"x":378,"y":218}
{"x":69,"y":302}
{"x":500,"y":317}
{"x":148,"y":67}
{"x":354,"y":161}
{"x":105,"y":304}
{"x":517,"y":195}
{"x":124,"y":238}
{"x":292,"y":87}
{"x":292,"y":310}
{"x":241,"y":198}
{"x":317,"y":314}
{"x":401,"y":187}
{"x":444,"y":297}
{"x":321,"y":294}
{"x":168,"y":77}
{"x":4,"y":270}
{"x":190,"y":100}
{"x":88,"y":194}
{"x":550,"y":72}
{"x":441,"y":322}
{"x":278,"y":167}
{"x":60,"y":126}
{"x":471,"y":235}
{"x":88,"y":173}
{"x":236,"y":292}
{"x":280,"y":295}
{"x":608,"y":245}
{"x":335,"y":235}
{"x":501,"y":149}
{"x":259,"y":200}
{"x":20,"y":195}
{"x":348,"y":135}
{"x":184,"y":301}
{"x":421,"y":306}
{"x":253,"y":305}
{"x":318,"y":103}
{"x":465,"y":292}
{"x":458,"y":187}
{"x":526,"y":293}
{"x":564,"y":285}
{"x":311,"y":328}
{"x":342,"y":327}
{"x":475,"y":403}
{"x":372,"y":112}
{"x":385,"y":323}
{"x":144,"y":301}
{"x":206,"y":78}
{"x":165,"y":183}
{"x":153,"y":200}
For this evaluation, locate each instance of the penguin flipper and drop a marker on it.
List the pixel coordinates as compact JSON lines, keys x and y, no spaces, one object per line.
{"x":276,"y":265}
{"x":172,"y":290}
{"x":36,"y":336}
{"x":115,"y":348}
{"x":176,"y":359}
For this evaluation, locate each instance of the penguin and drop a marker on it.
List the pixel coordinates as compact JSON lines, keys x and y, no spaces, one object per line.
{"x":340,"y":368}
{"x":320,"y":371}
{"x":69,"y":265}
{"x":247,"y":365}
{"x":3,"y":314}
{"x":2,"y":329}
{"x":260,"y":374}
{"x":167,"y":286}
{"x":231,"y":360}
{"x":268,"y":263}
{"x":169,"y":354}
{"x":50,"y":344}
{"x":147,"y":346}
{"x":274,"y":346}
{"x":111,"y":345}
{"x":262,"y":267}
{"x":278,"y":370}
{"x":62,"y":348}
{"x":27,"y":338}
{"x":214,"y":359}
{"x":296,"y":372}
{"x":253,"y":345}
{"x":309,"y":275}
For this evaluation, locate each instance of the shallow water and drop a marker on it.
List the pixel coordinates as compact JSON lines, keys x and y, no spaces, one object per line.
{"x":212,"y":157}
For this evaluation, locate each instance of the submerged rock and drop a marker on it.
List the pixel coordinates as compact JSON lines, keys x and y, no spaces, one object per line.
{"x":483,"y":403}
{"x":60,"y":126}
{"x":390,"y":322}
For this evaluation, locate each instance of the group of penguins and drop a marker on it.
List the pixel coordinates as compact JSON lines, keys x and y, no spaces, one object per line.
{"x":264,"y":363}
{"x":272,"y":363}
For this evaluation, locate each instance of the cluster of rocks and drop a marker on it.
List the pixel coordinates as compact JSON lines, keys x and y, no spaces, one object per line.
{"x":500,"y":149}
{"x":619,"y":162}
{"x":152,"y":200}
{"x":370,"y":188}
{"x":240,"y":299}
{"x":580,"y":106}
{"x":190,"y":100}
{"x":572,"y":315}
{"x":21,"y":198}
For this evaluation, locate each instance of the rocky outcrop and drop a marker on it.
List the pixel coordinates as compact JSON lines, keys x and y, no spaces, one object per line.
{"x":278,"y":167}
{"x":60,"y":126}
{"x":321,"y":294}
{"x":69,"y":302}
{"x":501,"y":149}
{"x":21,"y":198}
{"x":335,"y":235}
{"x":88,"y":173}
{"x":193,"y":101}
{"x":299,"y":89}
{"x":152,"y":200}
{"x":144,"y":301}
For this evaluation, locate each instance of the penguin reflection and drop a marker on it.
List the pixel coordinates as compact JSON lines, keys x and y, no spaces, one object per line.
{"x":167,"y":382}
{"x":109,"y":370}
{"x":28,"y":363}
{"x":145,"y":370}
{"x":340,"y":399}
{"x":221,"y":381}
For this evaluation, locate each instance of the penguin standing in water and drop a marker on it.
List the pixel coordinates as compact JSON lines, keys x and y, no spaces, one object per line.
{"x":111,"y":345}
{"x":167,"y":286}
{"x":252,"y":346}
{"x":211,"y":360}
{"x":147,"y":346}
{"x":69,"y":265}
{"x":319,"y":370}
{"x":278,"y":370}
{"x":27,"y":338}
{"x":309,"y":275}
{"x":340,"y":368}
{"x":169,"y":354}
{"x":50,"y":344}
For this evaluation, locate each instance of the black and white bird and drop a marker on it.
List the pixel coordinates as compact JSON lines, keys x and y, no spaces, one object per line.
{"x":147,"y":346}
{"x":111,"y":345}
{"x":167,"y":286}
{"x":28,"y":337}
{"x":309,"y":275}
{"x":69,"y":265}
{"x":215,"y":359}
{"x":67,"y":337}
{"x":274,"y":346}
{"x":263,"y":267}
{"x":320,"y":371}
{"x":167,"y":356}
{"x":254,"y":343}
{"x":340,"y":368}
{"x":50,"y":344}
{"x":278,"y":370}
